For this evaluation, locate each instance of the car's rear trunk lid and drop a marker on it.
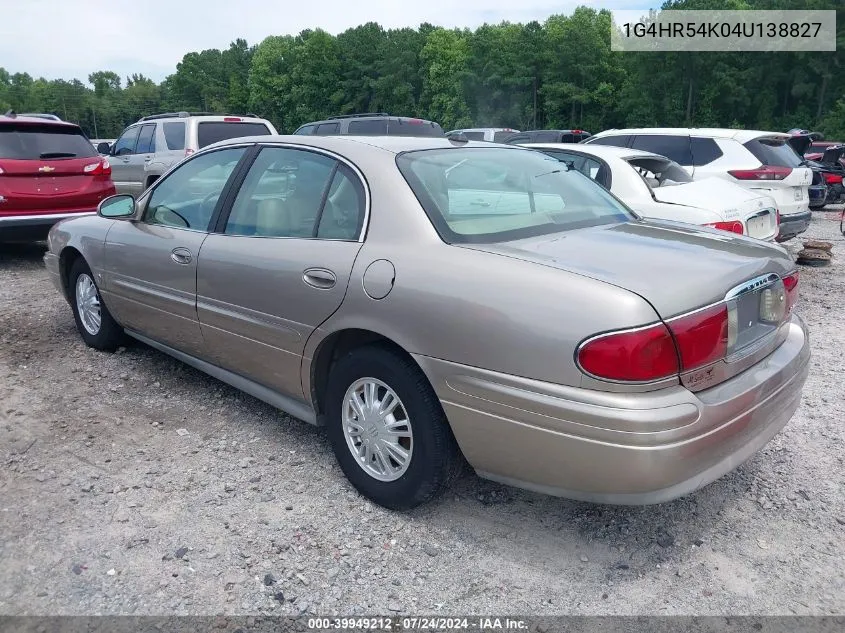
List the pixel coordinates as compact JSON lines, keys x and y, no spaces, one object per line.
{"x":676,"y":267}
{"x":48,"y":185}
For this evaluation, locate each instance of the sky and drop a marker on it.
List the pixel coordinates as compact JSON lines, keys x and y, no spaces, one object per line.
{"x":66,"y":39}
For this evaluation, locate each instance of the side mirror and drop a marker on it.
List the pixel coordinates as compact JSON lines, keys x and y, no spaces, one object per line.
{"x":103,"y":148}
{"x":117,"y":207}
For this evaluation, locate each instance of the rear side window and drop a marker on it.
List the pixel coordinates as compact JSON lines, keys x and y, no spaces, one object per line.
{"x":514,"y":140}
{"x":325,"y":129}
{"x":174,"y":135}
{"x":618,"y":140}
{"x":550,"y":137}
{"x":774,"y":152}
{"x":676,"y":148}
{"x":415,"y":127}
{"x":704,"y":151}
{"x":34,"y":142}
{"x":368,"y":127}
{"x":146,"y":139}
{"x":306,"y":130}
{"x":474,"y":136}
{"x":499,"y":137}
{"x":209,"y":132}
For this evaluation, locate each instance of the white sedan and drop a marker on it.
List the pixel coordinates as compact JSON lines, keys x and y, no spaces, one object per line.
{"x":657,"y":187}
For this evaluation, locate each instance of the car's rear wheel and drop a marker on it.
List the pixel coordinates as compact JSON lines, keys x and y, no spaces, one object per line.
{"x":93,"y":319}
{"x":388,"y":429}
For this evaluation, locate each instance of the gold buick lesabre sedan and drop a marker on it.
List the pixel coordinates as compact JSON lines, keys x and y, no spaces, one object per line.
{"x":432,"y":301}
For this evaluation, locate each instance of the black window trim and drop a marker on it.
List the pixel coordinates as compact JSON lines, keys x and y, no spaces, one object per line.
{"x":601,"y":161}
{"x":235,"y":185}
{"x":248,"y":155}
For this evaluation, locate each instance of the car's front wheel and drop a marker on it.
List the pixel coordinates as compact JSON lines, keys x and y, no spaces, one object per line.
{"x":93,"y":319}
{"x":388,"y":429}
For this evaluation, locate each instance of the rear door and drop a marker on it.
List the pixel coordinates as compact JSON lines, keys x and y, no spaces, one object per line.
{"x":151,"y":262}
{"x":280,"y":265}
{"x":42,"y":169}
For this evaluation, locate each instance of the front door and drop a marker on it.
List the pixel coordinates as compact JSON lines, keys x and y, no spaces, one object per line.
{"x":120,"y":159}
{"x":151,"y":263}
{"x":281,"y":266}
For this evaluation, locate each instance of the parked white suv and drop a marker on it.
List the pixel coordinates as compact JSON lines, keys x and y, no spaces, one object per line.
{"x":148,"y":148}
{"x":761,"y":161}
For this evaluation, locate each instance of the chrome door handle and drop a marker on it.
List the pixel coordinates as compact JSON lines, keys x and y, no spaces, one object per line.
{"x":321,"y":278}
{"x":181,"y":255}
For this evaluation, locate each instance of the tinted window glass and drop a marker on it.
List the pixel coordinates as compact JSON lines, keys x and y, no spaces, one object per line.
{"x":25,"y":142}
{"x":343,"y":214}
{"x":174,"y":135}
{"x":282,"y":194}
{"x":674,"y":147}
{"x":414,"y":127}
{"x":186,"y":198}
{"x":618,"y":140}
{"x":126,"y":143}
{"x":704,"y":151}
{"x":486,"y":195}
{"x":548,"y":137}
{"x":774,"y":152}
{"x":588,"y":166}
{"x":209,"y":132}
{"x":328,"y":128}
{"x":520,"y":138}
{"x":146,"y":139}
{"x":499,"y":137}
{"x":474,"y":136}
{"x":580,"y":138}
{"x":368,"y":127}
{"x":306,"y":130}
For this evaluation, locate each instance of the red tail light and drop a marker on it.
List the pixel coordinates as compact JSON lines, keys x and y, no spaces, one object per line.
{"x":640,"y":355}
{"x":231,"y":119}
{"x":833,"y":179}
{"x":790,"y":282}
{"x":100,"y":168}
{"x":702,"y":337}
{"x":732,"y":227}
{"x":764,"y":172}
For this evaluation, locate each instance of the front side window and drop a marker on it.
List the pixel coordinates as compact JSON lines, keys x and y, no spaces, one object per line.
{"x":481,"y":195}
{"x":187,"y":197}
{"x":127,"y":141}
{"x":297,"y":194}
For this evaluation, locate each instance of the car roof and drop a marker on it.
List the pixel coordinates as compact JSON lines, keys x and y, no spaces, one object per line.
{"x":203,"y":117}
{"x":31,"y":120}
{"x":599,"y":151}
{"x":742,"y":136}
{"x":392,"y":144}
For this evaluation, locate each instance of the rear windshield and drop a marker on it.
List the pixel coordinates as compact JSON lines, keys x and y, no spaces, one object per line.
{"x":659,"y":172}
{"x":497,"y":194}
{"x":33,"y":142}
{"x":210,"y":132}
{"x":774,"y":152}
{"x":394,"y":127}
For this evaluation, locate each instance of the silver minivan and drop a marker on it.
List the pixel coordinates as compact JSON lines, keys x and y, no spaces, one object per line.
{"x":489,"y":134}
{"x":148,"y":148}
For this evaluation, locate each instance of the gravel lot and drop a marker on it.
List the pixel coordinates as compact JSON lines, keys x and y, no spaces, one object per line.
{"x":130,"y":483}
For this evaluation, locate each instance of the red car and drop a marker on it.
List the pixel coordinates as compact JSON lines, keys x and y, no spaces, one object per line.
{"x":49,"y":171}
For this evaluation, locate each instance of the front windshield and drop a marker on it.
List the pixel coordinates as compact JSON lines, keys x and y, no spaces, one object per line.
{"x":660,"y":172}
{"x":498,"y":194}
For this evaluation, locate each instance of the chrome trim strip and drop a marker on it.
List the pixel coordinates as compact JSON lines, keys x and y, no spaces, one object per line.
{"x":751,"y":285}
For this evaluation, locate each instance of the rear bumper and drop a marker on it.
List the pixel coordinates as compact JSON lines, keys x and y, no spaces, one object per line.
{"x":34,"y":227}
{"x":619,"y":448}
{"x":792,"y":225}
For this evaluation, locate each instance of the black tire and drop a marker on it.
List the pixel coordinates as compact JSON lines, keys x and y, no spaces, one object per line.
{"x":110,"y":335}
{"x":435,"y":459}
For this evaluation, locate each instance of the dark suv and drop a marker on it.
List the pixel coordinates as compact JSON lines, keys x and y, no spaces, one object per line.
{"x":547,"y":136}
{"x":372,"y":124}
